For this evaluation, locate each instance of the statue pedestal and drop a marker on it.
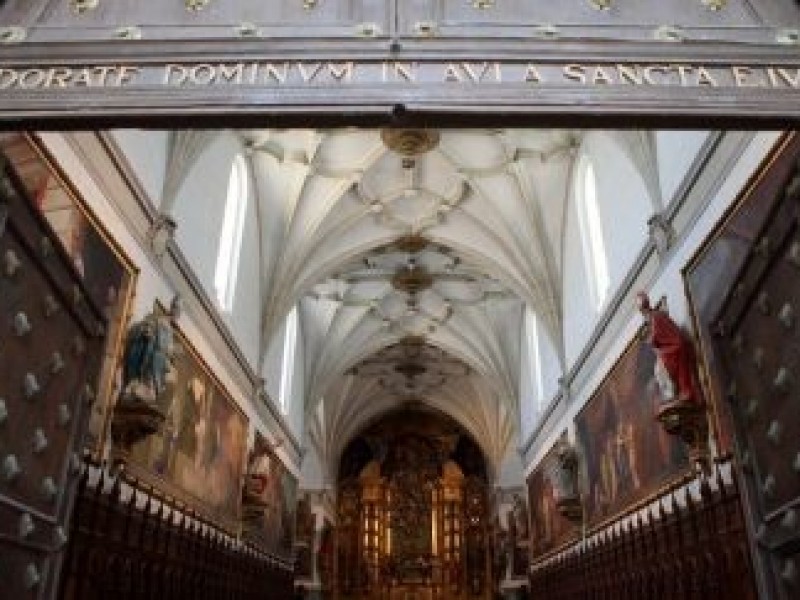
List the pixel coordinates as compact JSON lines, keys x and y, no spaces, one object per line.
{"x":688,"y":421}
{"x":134,"y":419}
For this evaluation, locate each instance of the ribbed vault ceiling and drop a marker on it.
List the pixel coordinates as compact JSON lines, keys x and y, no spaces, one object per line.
{"x":437,"y":237}
{"x":391,"y":239}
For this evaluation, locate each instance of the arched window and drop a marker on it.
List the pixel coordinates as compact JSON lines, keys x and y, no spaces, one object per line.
{"x":287,"y":366}
{"x":230,"y":243}
{"x":594,"y":248}
{"x":535,"y":354}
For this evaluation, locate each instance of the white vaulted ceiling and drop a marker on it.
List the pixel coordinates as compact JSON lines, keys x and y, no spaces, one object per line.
{"x":388,"y":250}
{"x":478,"y":219}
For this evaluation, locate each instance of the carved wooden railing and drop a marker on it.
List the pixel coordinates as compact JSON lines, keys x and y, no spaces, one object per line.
{"x":127,"y":542}
{"x":690,"y":543}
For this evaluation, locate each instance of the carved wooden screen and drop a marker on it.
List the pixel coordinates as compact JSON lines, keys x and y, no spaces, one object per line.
{"x":758,"y":337}
{"x":50,"y":350}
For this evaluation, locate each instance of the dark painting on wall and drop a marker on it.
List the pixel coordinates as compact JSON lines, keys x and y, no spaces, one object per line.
{"x":709,"y":275}
{"x":198,"y":454}
{"x":549,"y":530}
{"x":109,"y":277}
{"x":272,"y":527}
{"x":626,"y":456}
{"x":305,"y":521}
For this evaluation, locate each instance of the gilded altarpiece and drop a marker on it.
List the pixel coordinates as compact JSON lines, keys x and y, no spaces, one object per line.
{"x":412,"y":518}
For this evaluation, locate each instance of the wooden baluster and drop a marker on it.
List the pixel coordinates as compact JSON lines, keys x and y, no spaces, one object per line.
{"x":607,"y":563}
{"x":693,"y":545}
{"x":640,"y":551}
{"x":625,"y":560}
{"x":678,"y":549}
{"x":189,"y":557}
{"x":157,"y":569}
{"x":659,"y":587}
{"x":78,"y":545}
{"x":709,"y":541}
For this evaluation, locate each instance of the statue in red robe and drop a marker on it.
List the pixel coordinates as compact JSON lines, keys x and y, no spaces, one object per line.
{"x":675,"y":358}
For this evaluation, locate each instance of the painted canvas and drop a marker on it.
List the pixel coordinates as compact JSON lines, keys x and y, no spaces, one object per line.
{"x":271,"y":526}
{"x":625,"y":453}
{"x":305,"y":521}
{"x":549,"y":530}
{"x":198,"y":455}
{"x":709,"y":275}
{"x":109,"y":277}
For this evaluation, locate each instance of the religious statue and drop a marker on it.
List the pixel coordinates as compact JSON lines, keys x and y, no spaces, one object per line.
{"x":149,"y":354}
{"x":520,"y":514}
{"x":682,"y":412}
{"x":147,"y":366}
{"x":564,"y":479}
{"x":502,"y":551}
{"x":675,"y":359}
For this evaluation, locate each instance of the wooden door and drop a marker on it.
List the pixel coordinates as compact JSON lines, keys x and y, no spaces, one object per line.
{"x":759,"y":342}
{"x":50,"y":346}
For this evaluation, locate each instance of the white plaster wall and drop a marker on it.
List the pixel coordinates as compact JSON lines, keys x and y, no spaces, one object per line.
{"x":296,"y":408}
{"x":580,"y":315}
{"x":313,"y":473}
{"x":199,"y":210}
{"x":273,"y":365}
{"x":529,"y":413}
{"x":675,"y":151}
{"x":272,"y":371}
{"x":531,"y":406}
{"x":146,"y":151}
{"x":624,"y":205}
{"x":551,"y":368}
{"x":200,"y":206}
{"x":244,"y":320}
{"x":510,"y":472}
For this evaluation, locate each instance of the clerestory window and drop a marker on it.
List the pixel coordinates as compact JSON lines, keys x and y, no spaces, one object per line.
{"x":592,"y":240}
{"x":230,"y":243}
{"x":289,"y":354}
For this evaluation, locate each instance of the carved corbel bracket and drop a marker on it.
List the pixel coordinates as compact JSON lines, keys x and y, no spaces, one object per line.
{"x":661,"y":233}
{"x":161,"y":233}
{"x":134,"y":419}
{"x":688,"y":421}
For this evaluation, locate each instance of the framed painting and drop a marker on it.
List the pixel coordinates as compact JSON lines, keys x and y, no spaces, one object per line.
{"x":626,"y":455}
{"x":304,"y":538}
{"x":710,"y":273}
{"x":109,"y":276}
{"x":198,"y":454}
{"x":271,"y":525}
{"x":549,"y":530}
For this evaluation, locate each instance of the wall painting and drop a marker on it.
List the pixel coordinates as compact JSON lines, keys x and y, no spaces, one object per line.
{"x":198,"y":454}
{"x":626,"y":455}
{"x":549,"y":530}
{"x":270,"y":524}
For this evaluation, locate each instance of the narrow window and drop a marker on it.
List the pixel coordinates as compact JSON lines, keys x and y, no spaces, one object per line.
{"x":537,"y":383}
{"x":230,"y":243}
{"x":594,"y":249}
{"x":289,"y":352}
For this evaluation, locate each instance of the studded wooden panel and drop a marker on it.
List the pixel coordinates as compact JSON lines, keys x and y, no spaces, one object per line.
{"x":342,"y":19}
{"x":759,"y":339}
{"x":50,"y":341}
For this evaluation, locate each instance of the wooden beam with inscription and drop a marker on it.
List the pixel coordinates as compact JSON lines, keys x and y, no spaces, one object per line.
{"x":667,"y":85}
